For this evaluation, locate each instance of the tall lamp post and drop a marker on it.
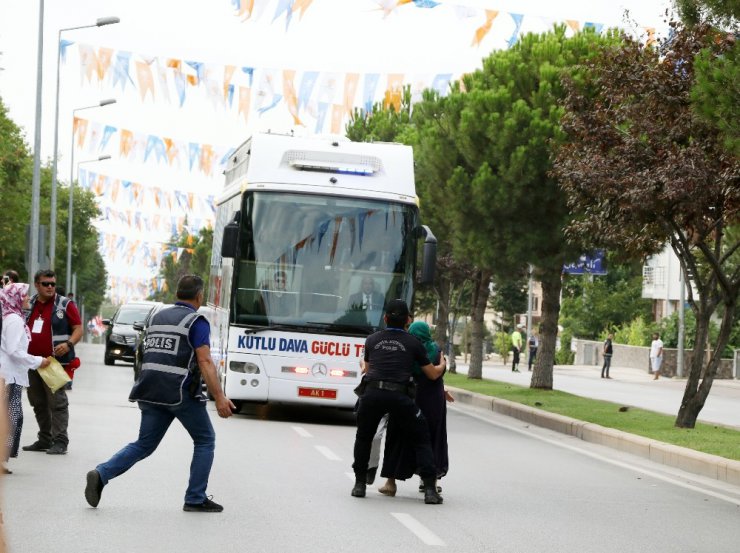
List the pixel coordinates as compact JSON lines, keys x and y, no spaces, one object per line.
{"x":68,"y":280}
{"x":53,"y":220}
{"x":33,"y":262}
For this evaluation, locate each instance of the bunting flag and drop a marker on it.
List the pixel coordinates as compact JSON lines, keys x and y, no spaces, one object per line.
{"x":134,"y":146}
{"x":483,"y":30}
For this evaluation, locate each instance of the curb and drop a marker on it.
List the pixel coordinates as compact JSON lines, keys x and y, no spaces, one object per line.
{"x":689,"y":460}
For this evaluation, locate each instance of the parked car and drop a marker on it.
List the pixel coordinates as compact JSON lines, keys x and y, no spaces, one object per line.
{"x":140,"y":329}
{"x":120,"y":336}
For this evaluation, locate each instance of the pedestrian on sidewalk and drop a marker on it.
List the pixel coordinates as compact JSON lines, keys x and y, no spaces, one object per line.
{"x":533,"y":342}
{"x":177,"y":356}
{"x":656,"y":355}
{"x":607,"y":356}
{"x":516,"y":348}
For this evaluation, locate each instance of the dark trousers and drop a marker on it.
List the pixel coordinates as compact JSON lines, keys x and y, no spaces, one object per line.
{"x":373,"y":405}
{"x":532,"y":357}
{"x":51,"y":410}
{"x":515,"y":358}
{"x":607,"y":365}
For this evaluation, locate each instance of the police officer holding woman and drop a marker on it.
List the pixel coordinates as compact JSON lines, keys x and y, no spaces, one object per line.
{"x":176,"y":353}
{"x":389,"y":357}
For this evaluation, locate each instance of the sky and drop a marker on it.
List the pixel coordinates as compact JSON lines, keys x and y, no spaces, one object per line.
{"x":187,"y":118}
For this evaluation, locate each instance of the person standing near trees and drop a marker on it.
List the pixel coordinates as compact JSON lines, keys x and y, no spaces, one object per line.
{"x":516,"y":348}
{"x":607,"y":356}
{"x":656,"y":355}
{"x":533,"y":342}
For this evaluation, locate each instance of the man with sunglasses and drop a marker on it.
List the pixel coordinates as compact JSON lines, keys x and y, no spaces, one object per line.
{"x":56,"y":327}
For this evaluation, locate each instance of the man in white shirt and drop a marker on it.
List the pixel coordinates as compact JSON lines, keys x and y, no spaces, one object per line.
{"x":656,"y":355}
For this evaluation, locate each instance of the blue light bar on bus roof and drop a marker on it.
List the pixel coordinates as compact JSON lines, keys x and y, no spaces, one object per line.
{"x":333,"y":162}
{"x":332,"y":166}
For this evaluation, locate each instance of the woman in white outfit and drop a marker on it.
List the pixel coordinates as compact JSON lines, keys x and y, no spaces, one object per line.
{"x":15,"y":361}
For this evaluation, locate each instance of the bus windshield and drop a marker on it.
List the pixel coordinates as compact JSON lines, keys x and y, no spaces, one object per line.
{"x":321,"y":263}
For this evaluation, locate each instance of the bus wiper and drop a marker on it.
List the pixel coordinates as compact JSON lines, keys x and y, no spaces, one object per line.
{"x":345,"y":328}
{"x":257,"y":329}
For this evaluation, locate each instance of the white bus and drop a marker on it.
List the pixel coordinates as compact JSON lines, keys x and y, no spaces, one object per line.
{"x":312,"y":236}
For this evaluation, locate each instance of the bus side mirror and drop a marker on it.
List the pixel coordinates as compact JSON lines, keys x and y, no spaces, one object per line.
{"x":429,"y":260}
{"x":230,"y":241}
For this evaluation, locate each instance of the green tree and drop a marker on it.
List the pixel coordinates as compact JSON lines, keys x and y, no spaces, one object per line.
{"x":641,"y":170}
{"x":508,"y":208}
{"x":16,"y":167}
{"x":188,"y":254}
{"x":593,"y":305}
{"x":509,"y":298}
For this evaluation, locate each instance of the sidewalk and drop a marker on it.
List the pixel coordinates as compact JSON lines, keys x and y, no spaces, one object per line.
{"x":628,"y":387}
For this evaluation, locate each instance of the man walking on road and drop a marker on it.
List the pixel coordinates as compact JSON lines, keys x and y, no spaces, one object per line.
{"x":176,"y":353}
{"x":56,"y":327}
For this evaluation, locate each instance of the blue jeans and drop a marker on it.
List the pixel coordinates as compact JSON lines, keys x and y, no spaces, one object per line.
{"x":155,"y":420}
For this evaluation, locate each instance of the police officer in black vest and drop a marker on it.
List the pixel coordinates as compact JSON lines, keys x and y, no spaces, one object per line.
{"x":176,"y":354}
{"x":390,"y":355}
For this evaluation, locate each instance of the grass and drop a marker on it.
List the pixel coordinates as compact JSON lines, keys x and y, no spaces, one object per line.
{"x":708,"y":438}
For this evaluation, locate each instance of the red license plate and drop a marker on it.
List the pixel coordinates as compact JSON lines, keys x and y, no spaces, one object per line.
{"x":320,"y":393}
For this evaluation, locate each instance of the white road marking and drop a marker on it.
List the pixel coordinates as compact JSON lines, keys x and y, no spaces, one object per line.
{"x":328,"y":453}
{"x":603,"y":459}
{"x":302,"y":432}
{"x":418,"y":529}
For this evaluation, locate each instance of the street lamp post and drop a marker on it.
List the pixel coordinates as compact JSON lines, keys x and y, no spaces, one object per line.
{"x":33,"y":262}
{"x":53,"y":220}
{"x":68,"y":280}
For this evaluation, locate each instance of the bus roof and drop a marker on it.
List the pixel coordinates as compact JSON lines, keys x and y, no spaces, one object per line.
{"x":322,"y":165}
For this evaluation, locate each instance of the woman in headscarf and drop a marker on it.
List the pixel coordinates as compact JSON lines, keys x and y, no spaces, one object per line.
{"x":399,"y":459}
{"x":15,"y":361}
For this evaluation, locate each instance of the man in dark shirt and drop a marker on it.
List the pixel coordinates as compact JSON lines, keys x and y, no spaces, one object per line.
{"x":389,"y":357}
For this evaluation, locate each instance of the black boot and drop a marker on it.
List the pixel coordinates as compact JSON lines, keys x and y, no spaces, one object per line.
{"x":359,"y":488}
{"x":431,"y":497}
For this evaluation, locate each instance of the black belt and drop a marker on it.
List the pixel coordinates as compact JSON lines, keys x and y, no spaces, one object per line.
{"x":389,"y":386}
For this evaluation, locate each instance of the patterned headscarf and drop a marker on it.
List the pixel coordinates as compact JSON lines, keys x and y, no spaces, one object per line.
{"x":11,"y":298}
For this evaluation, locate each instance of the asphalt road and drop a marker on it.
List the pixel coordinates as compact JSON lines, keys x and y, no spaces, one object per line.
{"x":284,"y":477}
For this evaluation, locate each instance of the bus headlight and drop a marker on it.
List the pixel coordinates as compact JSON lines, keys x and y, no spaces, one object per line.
{"x":244,"y":367}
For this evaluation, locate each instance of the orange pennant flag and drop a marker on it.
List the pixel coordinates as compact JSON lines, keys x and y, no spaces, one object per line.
{"x":350,"y":90}
{"x":207,"y":156}
{"x":105,"y":55}
{"x":394,"y":91}
{"x":337,"y":111}
{"x":244,"y":101}
{"x":127,"y":142}
{"x":80,"y":129}
{"x":650,"y":36}
{"x":483,"y":30}
{"x":289,"y":94}
{"x":573,"y":24}
{"x":170,"y":149}
{"x":301,"y":5}
{"x":146,"y":79}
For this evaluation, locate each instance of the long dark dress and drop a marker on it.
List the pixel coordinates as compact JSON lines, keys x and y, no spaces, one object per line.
{"x":398,"y":457}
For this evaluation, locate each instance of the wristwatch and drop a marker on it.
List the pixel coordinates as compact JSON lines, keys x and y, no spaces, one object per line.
{"x":70,"y":344}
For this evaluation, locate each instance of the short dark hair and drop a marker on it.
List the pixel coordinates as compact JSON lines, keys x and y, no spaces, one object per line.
{"x":189,"y":286}
{"x":12,"y":275}
{"x":44,"y":273}
{"x":396,"y":314}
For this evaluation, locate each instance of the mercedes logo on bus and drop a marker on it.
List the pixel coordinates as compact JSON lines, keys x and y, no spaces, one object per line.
{"x":319,"y":369}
